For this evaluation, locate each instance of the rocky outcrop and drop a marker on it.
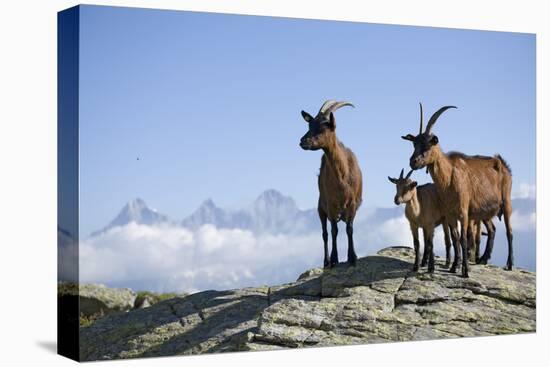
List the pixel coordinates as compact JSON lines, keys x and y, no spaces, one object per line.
{"x":379,"y":300}
{"x":95,"y":299}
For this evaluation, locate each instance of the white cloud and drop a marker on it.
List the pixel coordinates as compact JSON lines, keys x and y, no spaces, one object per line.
{"x":524,"y":221}
{"x":169,"y":257}
{"x":166,"y":257}
{"x":396,"y":232}
{"x":524,"y":191}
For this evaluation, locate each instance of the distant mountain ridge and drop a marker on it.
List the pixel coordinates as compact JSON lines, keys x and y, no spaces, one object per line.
{"x":271,"y":212}
{"x":135,"y":211}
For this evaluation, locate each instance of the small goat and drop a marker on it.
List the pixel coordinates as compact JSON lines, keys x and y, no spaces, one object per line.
{"x":340,"y":180}
{"x":423,"y":210}
{"x":470,"y":187}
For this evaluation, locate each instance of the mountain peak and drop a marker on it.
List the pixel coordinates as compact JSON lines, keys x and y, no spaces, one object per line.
{"x":208,"y":203}
{"x":270,"y":194}
{"x":136,"y":205}
{"x":137,"y":211}
{"x":137,"y":202}
{"x":273,"y":198}
{"x":270,"y":212}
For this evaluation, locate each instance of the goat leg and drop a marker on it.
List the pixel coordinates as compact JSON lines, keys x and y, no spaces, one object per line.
{"x":425,"y":254}
{"x":352,"y":257}
{"x":456,"y":246}
{"x":509,"y":235}
{"x":464,"y":242}
{"x":431,"y":260}
{"x":484,"y":259}
{"x":447,"y":244}
{"x":334,"y":252}
{"x":416,"y":244}
{"x":429,"y":248}
{"x":323,"y":218}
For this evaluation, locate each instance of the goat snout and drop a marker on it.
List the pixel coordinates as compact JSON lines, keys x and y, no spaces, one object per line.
{"x":305,"y":143}
{"x":396,"y":200}
{"x":415,"y":163}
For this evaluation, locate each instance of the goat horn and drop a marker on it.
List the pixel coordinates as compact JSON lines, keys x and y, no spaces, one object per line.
{"x":409,"y":174}
{"x":421,"y":119}
{"x":401,"y":174}
{"x":435,"y":116}
{"x":331,"y":106}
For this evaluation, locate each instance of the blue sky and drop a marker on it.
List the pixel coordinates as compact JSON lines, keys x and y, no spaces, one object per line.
{"x":210,"y":103}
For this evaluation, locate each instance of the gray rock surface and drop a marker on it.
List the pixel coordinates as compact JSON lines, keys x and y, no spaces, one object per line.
{"x":97,"y":298}
{"x":379,"y":300}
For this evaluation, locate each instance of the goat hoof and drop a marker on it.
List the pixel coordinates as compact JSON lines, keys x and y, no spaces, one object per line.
{"x":453,"y":269}
{"x":508,"y":267}
{"x":482,"y":261}
{"x":431,"y":269}
{"x":352,"y":261}
{"x":333,"y":260}
{"x":447,"y":264}
{"x":415,"y":268}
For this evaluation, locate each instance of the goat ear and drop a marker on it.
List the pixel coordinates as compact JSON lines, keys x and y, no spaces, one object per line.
{"x":434,"y":140}
{"x":413,"y":184}
{"x":307,"y":117}
{"x":392,"y":180}
{"x":408,"y":137}
{"x":332,"y":122}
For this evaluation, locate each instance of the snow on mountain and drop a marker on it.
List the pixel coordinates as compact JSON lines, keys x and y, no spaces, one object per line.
{"x":271,"y":212}
{"x":209,"y":213}
{"x":135,"y":211}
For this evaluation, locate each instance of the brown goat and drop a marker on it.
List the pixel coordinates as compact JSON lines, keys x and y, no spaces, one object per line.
{"x":423,"y":210}
{"x":470,"y":187}
{"x":340,"y":181}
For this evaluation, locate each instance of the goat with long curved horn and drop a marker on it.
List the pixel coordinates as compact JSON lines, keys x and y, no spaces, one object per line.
{"x":340,"y":180}
{"x":434,"y":118}
{"x":456,"y":177}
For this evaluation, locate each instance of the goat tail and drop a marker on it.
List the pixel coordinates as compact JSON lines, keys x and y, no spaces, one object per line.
{"x":504,"y":163}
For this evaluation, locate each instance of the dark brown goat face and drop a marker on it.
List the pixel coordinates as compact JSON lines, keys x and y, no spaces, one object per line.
{"x":405,"y":188}
{"x":424,"y":142}
{"x":423,"y":150}
{"x":321,"y":131}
